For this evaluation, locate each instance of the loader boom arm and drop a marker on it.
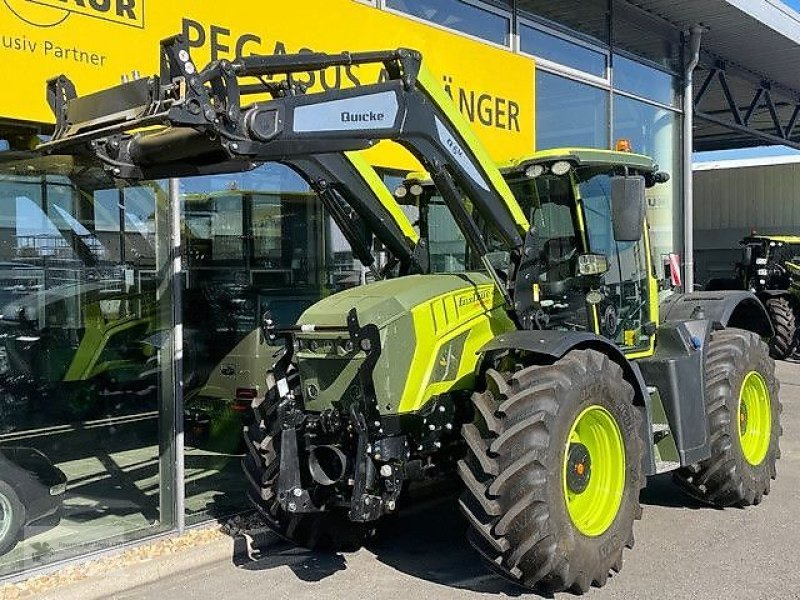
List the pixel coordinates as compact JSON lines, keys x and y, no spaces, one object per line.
{"x":347,"y":177}
{"x":202,"y":125}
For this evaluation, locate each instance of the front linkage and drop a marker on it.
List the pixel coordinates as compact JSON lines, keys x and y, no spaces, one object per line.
{"x":336,"y":437}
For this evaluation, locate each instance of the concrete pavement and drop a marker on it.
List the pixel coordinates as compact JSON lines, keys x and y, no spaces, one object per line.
{"x":683,"y":550}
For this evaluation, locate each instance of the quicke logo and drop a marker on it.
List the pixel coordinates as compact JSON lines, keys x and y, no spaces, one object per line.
{"x":49,"y":13}
{"x":363,"y":117}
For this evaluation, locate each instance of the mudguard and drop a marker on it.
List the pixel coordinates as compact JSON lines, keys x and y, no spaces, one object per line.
{"x":553,"y":344}
{"x":739,"y":309}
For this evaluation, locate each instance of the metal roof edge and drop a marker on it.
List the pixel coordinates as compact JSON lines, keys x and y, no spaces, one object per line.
{"x":738,"y":163}
{"x":774,"y":14}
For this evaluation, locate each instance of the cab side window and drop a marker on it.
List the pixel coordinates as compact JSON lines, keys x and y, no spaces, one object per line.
{"x":626,"y":306}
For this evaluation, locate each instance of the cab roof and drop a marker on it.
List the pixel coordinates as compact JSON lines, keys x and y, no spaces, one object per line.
{"x":579,"y":156}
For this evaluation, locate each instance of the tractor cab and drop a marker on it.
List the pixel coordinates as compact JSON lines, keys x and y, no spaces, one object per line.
{"x":768,"y":262}
{"x":583,"y":271}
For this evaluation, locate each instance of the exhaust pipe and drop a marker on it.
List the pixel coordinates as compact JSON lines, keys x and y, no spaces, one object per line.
{"x":327,"y":464}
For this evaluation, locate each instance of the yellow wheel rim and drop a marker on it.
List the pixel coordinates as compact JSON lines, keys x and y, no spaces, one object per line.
{"x":754,"y":419}
{"x":594,"y":471}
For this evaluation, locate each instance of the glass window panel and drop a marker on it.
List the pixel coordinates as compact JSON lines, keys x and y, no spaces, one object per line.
{"x":626,"y":283}
{"x":637,"y":78}
{"x":458,"y":15}
{"x":252,"y":242}
{"x":589,"y":17}
{"x":549,"y":201}
{"x":107,"y":209}
{"x":569,"y":113}
{"x":549,"y":47}
{"x":446,"y":243}
{"x":656,"y":132}
{"x":84,"y":379}
{"x":647,"y":36}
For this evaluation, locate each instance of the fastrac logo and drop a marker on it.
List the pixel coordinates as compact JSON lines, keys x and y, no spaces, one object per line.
{"x":363,"y":117}
{"x":49,"y":13}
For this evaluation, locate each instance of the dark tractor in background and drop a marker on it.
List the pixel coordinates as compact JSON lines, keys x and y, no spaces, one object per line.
{"x":770,"y":268}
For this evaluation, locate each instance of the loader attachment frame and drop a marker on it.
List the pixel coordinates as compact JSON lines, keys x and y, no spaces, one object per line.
{"x":190,"y":122}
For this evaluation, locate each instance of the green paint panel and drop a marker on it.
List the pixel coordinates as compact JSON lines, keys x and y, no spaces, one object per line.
{"x":431,"y":327}
{"x":383,"y":301}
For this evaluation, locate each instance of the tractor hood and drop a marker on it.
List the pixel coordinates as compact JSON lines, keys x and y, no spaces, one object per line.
{"x":382,"y":302}
{"x":431,"y":328}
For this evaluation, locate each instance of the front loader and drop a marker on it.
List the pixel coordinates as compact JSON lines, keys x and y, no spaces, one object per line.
{"x":544,"y":372}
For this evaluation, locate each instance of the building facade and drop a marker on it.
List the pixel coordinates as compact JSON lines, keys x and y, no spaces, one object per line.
{"x":129,"y":342}
{"x":739,"y":198}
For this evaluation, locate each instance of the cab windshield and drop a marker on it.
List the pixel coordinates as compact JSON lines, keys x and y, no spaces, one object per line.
{"x":561,"y":232}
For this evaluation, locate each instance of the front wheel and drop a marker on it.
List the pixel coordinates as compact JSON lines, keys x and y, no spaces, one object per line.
{"x":743,"y":413}
{"x":553,"y":472}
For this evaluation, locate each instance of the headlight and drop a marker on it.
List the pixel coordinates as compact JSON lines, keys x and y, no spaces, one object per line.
{"x":761,"y":261}
{"x":416,"y":189}
{"x":561,"y":167}
{"x":534,"y":171}
{"x":400,"y":191}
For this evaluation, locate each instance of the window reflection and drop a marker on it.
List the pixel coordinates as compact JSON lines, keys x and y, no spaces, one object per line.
{"x":81,"y":377}
{"x":589,"y":17}
{"x":647,"y":82}
{"x":459,"y":15}
{"x":253,"y":244}
{"x":549,"y":47}
{"x":569,"y":113}
{"x":656,"y":132}
{"x":647,"y":36}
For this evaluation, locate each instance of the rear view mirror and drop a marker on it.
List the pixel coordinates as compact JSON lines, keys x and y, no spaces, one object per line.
{"x":627,"y":207}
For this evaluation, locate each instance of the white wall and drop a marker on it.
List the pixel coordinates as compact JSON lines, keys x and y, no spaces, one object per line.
{"x":733,"y":198}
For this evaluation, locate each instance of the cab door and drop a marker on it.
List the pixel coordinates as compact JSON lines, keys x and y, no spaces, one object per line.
{"x":625,"y":313}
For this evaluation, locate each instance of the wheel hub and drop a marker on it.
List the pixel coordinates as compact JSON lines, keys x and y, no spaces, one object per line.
{"x":594,"y":470}
{"x":579,"y":468}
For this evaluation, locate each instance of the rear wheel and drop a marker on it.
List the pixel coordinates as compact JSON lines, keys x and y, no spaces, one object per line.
{"x":553,"y":472}
{"x":12,"y":517}
{"x":329,"y":530}
{"x":743,"y":412}
{"x":781,"y":314}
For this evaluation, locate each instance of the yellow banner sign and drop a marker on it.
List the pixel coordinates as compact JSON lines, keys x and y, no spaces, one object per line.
{"x":124,"y":12}
{"x":95,"y":42}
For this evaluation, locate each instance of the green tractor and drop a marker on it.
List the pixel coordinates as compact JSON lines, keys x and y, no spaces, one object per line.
{"x":542,"y":370}
{"x":67,"y":347}
{"x":770,"y":268}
